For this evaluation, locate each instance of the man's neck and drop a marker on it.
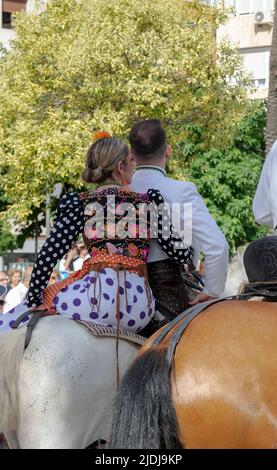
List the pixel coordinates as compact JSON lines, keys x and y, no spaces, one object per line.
{"x":159,"y":168}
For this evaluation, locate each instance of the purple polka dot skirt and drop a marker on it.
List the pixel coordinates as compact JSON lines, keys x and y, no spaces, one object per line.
{"x":7,"y":319}
{"x":94,"y":298}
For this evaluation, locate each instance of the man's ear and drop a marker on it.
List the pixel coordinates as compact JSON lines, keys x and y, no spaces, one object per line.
{"x":168,"y":151}
{"x":133,"y":155}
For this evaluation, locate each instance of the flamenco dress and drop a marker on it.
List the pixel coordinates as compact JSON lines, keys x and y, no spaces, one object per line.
{"x":112,"y":288}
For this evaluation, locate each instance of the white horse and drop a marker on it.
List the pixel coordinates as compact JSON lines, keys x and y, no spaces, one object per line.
{"x":58,"y":393}
{"x":236,"y":276}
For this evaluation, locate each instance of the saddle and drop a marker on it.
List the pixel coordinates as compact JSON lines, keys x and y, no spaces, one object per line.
{"x":260,"y":262}
{"x":173,"y":286}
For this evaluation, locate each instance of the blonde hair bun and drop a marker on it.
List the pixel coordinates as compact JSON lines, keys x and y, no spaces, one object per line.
{"x":97,"y":174}
{"x":102,"y":157}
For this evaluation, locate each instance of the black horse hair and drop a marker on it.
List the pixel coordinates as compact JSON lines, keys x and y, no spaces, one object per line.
{"x":144,"y":416}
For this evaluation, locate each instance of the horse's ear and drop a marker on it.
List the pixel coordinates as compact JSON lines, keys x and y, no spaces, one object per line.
{"x":3,"y":290}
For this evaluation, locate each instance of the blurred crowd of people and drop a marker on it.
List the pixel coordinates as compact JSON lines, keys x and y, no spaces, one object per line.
{"x":17,"y":281}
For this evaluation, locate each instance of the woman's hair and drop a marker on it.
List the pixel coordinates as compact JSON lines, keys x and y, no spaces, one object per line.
{"x":14,"y":271}
{"x":102,"y":157}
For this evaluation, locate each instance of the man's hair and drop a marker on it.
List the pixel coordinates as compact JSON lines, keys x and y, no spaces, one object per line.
{"x":148,"y":140}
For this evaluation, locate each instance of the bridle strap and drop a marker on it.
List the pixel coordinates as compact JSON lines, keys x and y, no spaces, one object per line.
{"x":31,"y":323}
{"x":188,"y":315}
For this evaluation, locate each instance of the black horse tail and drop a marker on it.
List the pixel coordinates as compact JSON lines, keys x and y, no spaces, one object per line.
{"x":144,"y":416}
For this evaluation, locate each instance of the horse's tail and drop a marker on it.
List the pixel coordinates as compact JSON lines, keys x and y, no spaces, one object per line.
{"x":144,"y":415}
{"x":11,"y":352}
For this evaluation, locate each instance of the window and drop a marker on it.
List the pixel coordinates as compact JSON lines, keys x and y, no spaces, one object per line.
{"x":8,"y":8}
{"x":6,"y":19}
{"x":244,"y":7}
{"x":258,"y":5}
{"x":257,"y":63}
{"x":229,"y":3}
{"x":209,"y":2}
{"x":248,"y":7}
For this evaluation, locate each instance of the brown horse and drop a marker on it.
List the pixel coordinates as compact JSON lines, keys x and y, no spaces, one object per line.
{"x":220,"y":391}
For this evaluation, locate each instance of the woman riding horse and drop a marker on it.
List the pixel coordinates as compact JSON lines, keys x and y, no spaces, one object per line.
{"x":111,"y":289}
{"x":54,"y":394}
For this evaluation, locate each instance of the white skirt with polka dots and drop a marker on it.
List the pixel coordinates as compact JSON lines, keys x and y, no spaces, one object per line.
{"x":94,"y":298}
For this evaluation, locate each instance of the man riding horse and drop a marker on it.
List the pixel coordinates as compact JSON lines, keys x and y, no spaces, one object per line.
{"x":260,"y":258}
{"x":167,"y":278}
{"x":208,"y":378}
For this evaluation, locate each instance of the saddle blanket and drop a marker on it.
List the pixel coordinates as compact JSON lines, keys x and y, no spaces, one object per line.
{"x":103,"y":330}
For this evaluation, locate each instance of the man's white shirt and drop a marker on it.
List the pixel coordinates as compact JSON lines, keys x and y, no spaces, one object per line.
{"x":206,"y":235}
{"x":265,"y":199}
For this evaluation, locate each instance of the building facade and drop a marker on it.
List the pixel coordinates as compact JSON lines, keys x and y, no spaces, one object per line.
{"x":7,"y":8}
{"x":250,"y":28}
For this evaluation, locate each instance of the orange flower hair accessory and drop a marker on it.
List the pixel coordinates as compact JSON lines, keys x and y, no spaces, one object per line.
{"x":100,"y":135}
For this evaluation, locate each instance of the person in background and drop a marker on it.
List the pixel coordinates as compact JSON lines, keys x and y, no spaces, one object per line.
{"x":4,"y":279}
{"x":4,"y":283}
{"x":265,"y":199}
{"x":1,"y":304}
{"x":15,"y":276}
{"x":18,"y":293}
{"x":83,"y":255}
{"x":66,"y":263}
{"x":3,"y":291}
{"x":54,"y":277}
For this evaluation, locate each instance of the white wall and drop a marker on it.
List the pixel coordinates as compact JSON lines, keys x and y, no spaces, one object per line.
{"x":5,"y":36}
{"x":252,"y":40}
{"x":35,"y":5}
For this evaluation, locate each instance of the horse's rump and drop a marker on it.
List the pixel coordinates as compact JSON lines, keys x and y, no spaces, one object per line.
{"x":223,"y":377}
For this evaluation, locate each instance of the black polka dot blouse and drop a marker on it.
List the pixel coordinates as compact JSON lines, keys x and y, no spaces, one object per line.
{"x":69,"y":222}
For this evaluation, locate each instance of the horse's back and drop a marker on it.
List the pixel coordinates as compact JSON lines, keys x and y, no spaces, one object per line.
{"x":225,"y":379}
{"x":67,"y":384}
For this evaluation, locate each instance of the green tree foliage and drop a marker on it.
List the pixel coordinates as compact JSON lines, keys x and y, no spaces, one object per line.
{"x":86,"y":65}
{"x":7,"y":239}
{"x":227,"y":178}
